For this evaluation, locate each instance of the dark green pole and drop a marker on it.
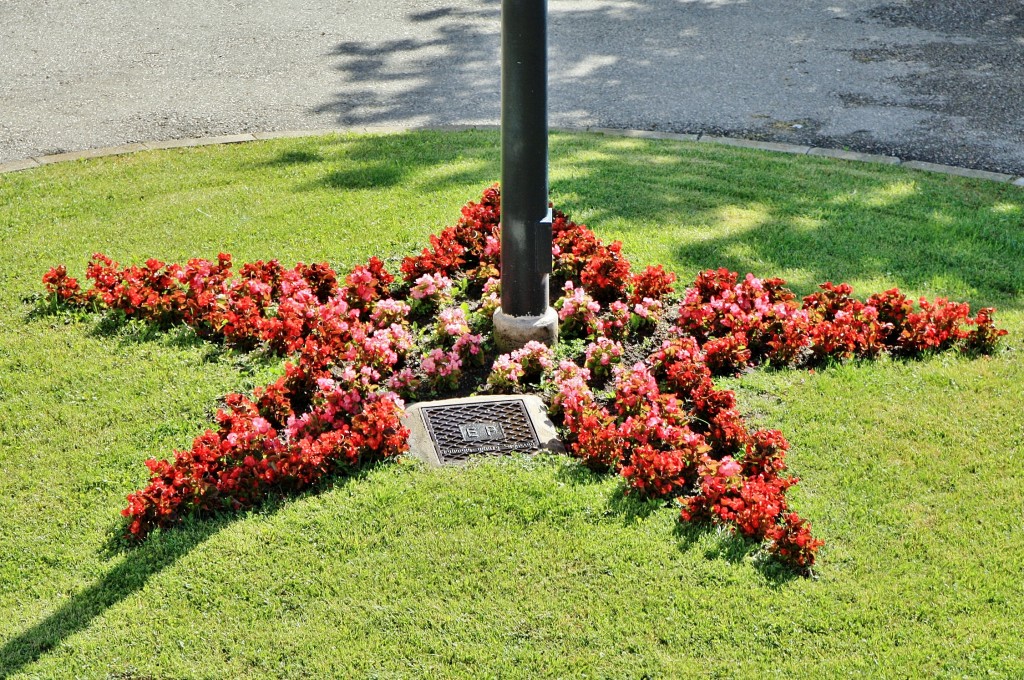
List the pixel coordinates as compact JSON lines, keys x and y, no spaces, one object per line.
{"x":525,"y":217}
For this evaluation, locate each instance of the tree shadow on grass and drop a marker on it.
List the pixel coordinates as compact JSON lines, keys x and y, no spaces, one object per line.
{"x":292,"y":157}
{"x":631,"y":508}
{"x":694,"y":206}
{"x":139,"y":564}
{"x":573,"y":472}
{"x":365,"y":176}
{"x":809,"y":219}
{"x":129,"y":576}
{"x":112,"y":325}
{"x":129,"y":333}
{"x":733,"y":548}
{"x":425,"y":161}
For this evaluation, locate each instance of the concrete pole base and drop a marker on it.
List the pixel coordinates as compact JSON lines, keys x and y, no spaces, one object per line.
{"x":512,"y":332}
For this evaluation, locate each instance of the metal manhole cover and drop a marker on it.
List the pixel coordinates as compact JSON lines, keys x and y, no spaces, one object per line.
{"x":462,"y":430}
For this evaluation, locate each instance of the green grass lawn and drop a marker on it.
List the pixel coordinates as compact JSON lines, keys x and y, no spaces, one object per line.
{"x":519,"y":567}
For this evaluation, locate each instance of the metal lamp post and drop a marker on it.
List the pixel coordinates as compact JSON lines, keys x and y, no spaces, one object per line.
{"x":525,"y":312}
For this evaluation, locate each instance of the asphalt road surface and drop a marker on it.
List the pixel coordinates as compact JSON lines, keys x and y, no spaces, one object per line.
{"x":932,"y":80}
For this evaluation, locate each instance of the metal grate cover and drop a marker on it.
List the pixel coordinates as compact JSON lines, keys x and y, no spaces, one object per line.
{"x":462,"y":430}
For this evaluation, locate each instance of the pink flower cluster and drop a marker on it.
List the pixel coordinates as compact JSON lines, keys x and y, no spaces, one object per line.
{"x":577,"y":313}
{"x":602,"y":356}
{"x":525,"y":366}
{"x":442,"y":369}
{"x":430,"y":291}
{"x":646,"y":314}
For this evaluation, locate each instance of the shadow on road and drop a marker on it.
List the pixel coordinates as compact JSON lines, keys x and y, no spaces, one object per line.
{"x":940,"y":85}
{"x":421,"y":77}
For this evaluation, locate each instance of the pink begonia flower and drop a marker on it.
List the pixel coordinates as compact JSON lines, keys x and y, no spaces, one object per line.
{"x":492,"y":247}
{"x":453,"y":321}
{"x":729,"y":467}
{"x":431,"y":285}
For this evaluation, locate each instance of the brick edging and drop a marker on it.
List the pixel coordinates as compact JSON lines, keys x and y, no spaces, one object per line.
{"x":778,"y":147}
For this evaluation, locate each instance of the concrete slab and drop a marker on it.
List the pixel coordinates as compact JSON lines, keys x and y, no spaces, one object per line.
{"x":422,"y":445}
{"x":960,"y":172}
{"x":1019,"y":182}
{"x":845,"y":155}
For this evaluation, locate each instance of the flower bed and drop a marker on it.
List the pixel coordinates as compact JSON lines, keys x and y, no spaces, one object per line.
{"x":631,"y":383}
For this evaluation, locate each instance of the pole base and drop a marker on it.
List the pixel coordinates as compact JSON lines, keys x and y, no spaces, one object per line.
{"x":512,"y":332}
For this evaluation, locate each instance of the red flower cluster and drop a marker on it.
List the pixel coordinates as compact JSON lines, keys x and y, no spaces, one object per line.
{"x":753,"y":321}
{"x":251,"y":454}
{"x":65,"y":288}
{"x":653,"y":283}
{"x":366,"y":284}
{"x":579,"y":255}
{"x":791,"y":541}
{"x":756,"y":506}
{"x":667,"y":430}
{"x":671,"y":434}
{"x":471,"y":247}
{"x":329,"y":413}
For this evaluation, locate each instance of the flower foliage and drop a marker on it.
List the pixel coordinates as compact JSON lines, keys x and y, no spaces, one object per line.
{"x":357,"y":345}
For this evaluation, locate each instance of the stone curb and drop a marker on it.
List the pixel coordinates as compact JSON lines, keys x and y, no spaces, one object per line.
{"x":961,"y":172}
{"x":90,"y":153}
{"x":777,"y":147}
{"x":640,"y":134}
{"x":843,"y":154}
{"x":14,"y":166}
{"x":201,"y":141}
{"x":754,"y":144}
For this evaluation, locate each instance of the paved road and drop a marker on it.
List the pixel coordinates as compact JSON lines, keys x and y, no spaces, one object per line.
{"x":933,"y":80}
